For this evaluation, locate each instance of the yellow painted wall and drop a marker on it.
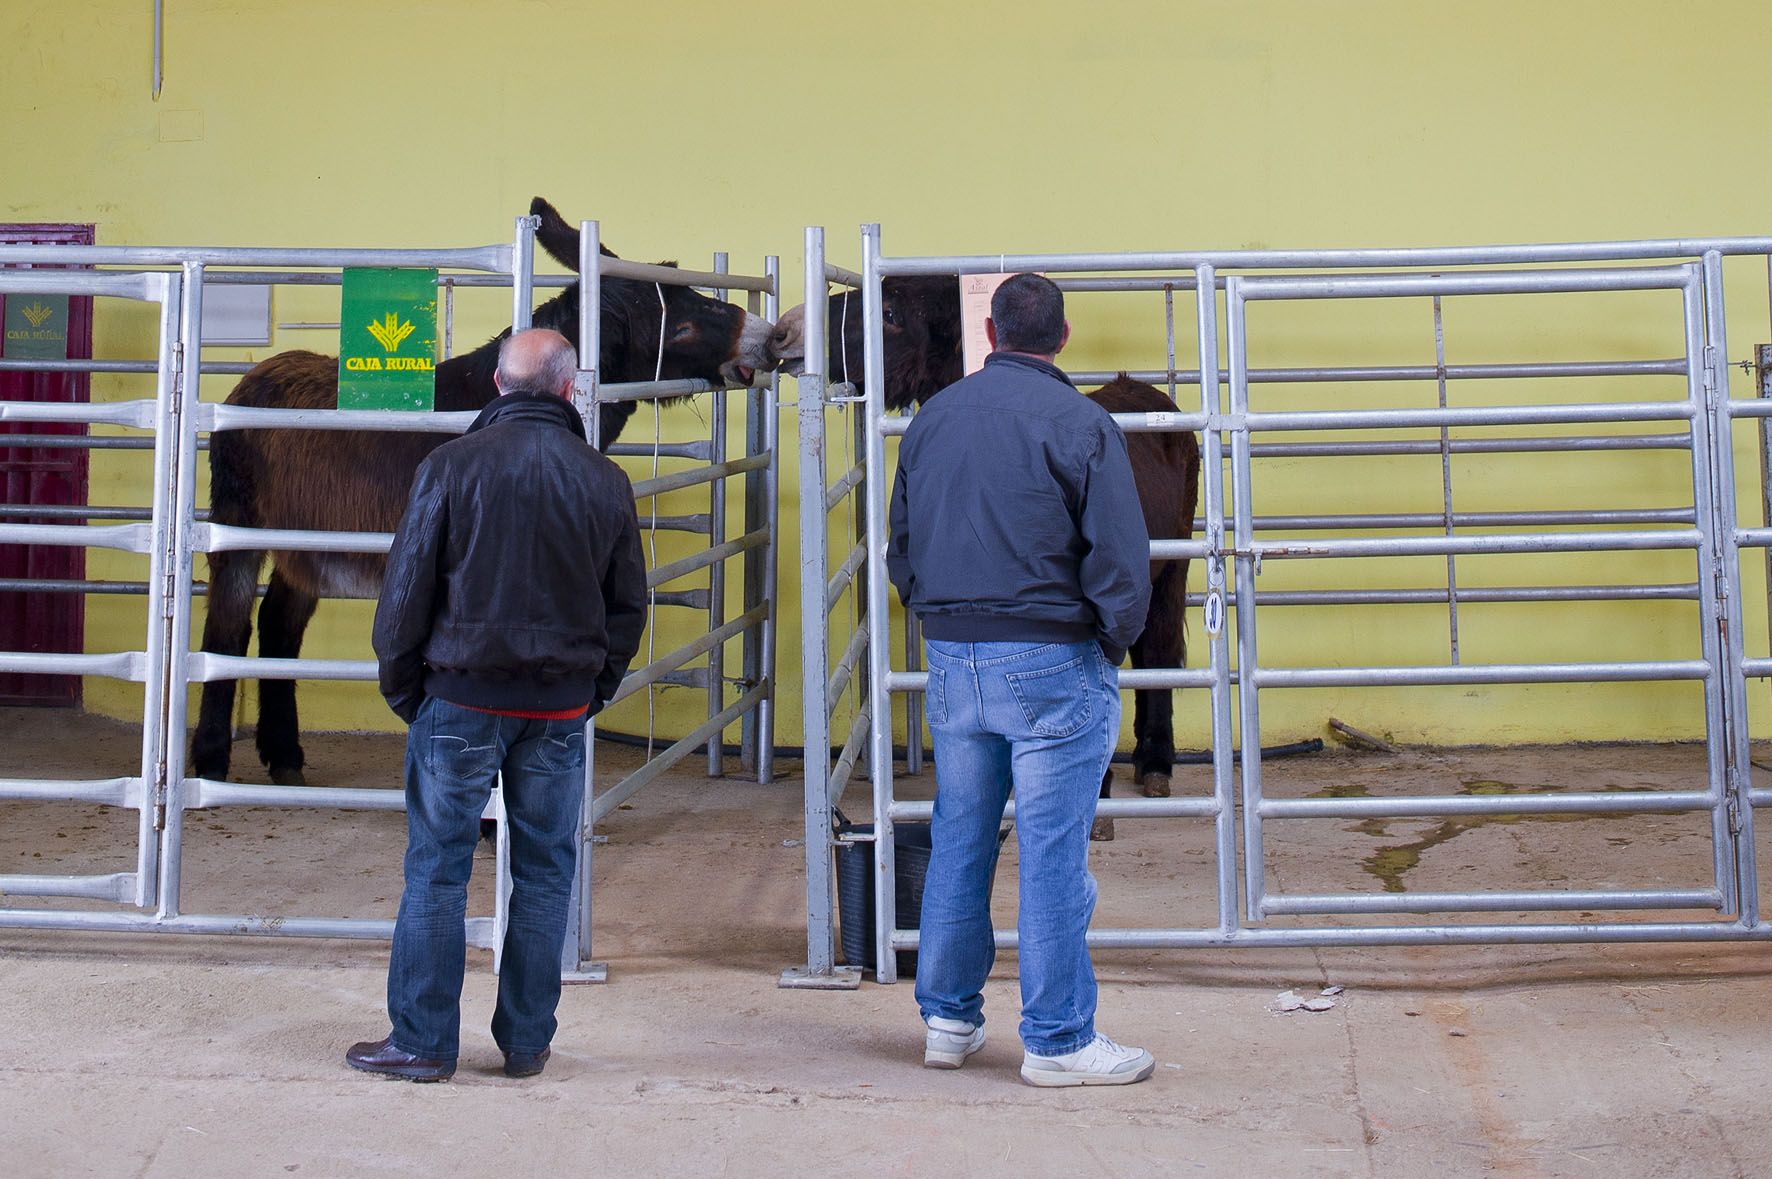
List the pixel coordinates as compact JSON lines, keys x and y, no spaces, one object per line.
{"x":694,"y":127}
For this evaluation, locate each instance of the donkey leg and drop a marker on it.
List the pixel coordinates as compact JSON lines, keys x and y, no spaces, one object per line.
{"x":281,"y":622}
{"x":227,"y":628}
{"x":1162,"y":645}
{"x":1103,"y":828}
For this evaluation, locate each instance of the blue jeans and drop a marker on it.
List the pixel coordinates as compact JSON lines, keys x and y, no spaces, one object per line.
{"x":1043,"y":718}
{"x":453,"y":756}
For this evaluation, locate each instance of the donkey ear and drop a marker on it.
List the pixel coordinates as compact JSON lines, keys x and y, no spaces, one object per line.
{"x":557,"y":237}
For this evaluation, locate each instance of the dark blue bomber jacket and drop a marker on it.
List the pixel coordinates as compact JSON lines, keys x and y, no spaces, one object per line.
{"x":1014,"y":515}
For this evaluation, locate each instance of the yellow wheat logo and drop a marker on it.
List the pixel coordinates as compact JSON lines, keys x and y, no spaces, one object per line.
{"x":390,"y":333}
{"x":36,"y":313}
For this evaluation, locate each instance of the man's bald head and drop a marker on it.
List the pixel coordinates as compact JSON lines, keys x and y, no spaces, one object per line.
{"x":538,"y":360}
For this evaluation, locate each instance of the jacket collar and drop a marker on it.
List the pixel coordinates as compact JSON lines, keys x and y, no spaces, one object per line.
{"x":543,"y":408}
{"x":1023,"y":360}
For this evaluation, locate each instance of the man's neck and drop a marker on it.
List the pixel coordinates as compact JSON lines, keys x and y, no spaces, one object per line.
{"x":1048,"y":357}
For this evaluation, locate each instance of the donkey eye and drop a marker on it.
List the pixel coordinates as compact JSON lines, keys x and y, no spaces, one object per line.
{"x":682,"y":333}
{"x":888,"y":315}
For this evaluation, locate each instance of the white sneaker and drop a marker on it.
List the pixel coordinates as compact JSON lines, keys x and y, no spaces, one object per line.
{"x":1099,"y":1062}
{"x":950,"y":1042}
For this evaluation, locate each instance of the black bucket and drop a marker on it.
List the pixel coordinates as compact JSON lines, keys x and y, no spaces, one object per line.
{"x":855,"y":888}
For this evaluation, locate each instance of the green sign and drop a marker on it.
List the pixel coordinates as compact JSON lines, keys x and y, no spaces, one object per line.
{"x":36,"y":327}
{"x":387,"y":339}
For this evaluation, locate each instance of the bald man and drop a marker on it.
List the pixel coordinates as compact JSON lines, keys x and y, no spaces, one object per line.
{"x":514,"y":599}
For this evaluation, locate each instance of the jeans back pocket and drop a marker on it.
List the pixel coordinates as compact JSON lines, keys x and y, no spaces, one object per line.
{"x":1056,"y":701}
{"x":935,"y":698}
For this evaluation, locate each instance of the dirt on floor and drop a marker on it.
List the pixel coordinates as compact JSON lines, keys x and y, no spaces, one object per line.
{"x":146,"y":1055}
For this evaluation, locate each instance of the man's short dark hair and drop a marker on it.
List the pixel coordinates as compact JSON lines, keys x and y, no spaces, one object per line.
{"x":1028,"y":310}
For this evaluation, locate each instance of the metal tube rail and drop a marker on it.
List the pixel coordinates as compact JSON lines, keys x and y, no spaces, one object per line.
{"x":672,"y":276}
{"x":1492,"y":902}
{"x":202,"y":667}
{"x":1196,"y":807}
{"x":1497,"y":673}
{"x":608,"y":800}
{"x":1472,"y":596}
{"x":215,"y":415}
{"x":1574,"y":803}
{"x":677,"y":480}
{"x":845,"y":574}
{"x":203,"y":793}
{"x":1474,"y":519}
{"x":851,"y":657}
{"x":838,"y":781}
{"x":1398,"y":372}
{"x":1602,"y":442}
{"x":1439,"y":546}
{"x":852,"y":478}
{"x":1613,"y":251}
{"x":129,"y":538}
{"x":675,"y":569}
{"x":139,"y":414}
{"x":1308,"y":937}
{"x":116,"y":887}
{"x":117,"y":665}
{"x":487,"y":258}
{"x":661,"y":667}
{"x":208,"y":367}
{"x":1517,"y":282}
{"x":1512,"y":415}
{"x":123,"y":792}
{"x":661,"y":390}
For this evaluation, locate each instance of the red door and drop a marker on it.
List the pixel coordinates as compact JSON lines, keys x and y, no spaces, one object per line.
{"x":40,"y":476}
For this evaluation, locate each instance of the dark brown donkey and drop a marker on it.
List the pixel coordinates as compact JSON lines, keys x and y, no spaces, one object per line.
{"x":357,"y":481}
{"x":921,"y":329}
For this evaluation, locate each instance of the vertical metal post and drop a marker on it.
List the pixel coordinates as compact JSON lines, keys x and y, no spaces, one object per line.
{"x":815,"y":650}
{"x":913,"y":701}
{"x":1446,"y":477}
{"x":161,"y":648}
{"x":1738,"y":811}
{"x":176,"y":593}
{"x":1224,"y":823}
{"x":523,"y":273}
{"x":878,"y":610}
{"x":1764,"y":432}
{"x":717,"y":451}
{"x":1169,"y":330}
{"x":1712,"y":588}
{"x":1249,"y":735}
{"x":448,"y":316}
{"x":768,"y":439}
{"x":576,"y":964}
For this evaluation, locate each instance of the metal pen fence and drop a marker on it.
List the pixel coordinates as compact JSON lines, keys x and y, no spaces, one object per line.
{"x":173,"y":532}
{"x":1233,"y":542}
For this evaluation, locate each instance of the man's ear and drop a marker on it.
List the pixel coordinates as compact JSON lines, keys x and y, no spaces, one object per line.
{"x":1064,"y":337}
{"x":990,"y":333}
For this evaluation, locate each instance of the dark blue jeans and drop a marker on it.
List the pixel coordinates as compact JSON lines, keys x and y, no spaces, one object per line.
{"x":453,"y":757}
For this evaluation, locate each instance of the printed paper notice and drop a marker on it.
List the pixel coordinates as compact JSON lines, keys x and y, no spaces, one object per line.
{"x":975,"y":307}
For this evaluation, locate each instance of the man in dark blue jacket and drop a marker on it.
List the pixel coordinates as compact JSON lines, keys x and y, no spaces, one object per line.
{"x":1018,"y":540}
{"x":515,"y":597}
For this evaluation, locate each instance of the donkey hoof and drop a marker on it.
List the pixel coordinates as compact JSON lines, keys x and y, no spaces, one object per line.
{"x":1154,"y":785}
{"x":1102,"y":831}
{"x":288,"y":776}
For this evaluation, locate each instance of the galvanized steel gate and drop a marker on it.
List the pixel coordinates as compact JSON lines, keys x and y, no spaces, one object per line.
{"x":170,"y":532}
{"x":1232,"y":546}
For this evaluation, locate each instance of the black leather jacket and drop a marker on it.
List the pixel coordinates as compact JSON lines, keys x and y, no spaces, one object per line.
{"x":516,"y":579}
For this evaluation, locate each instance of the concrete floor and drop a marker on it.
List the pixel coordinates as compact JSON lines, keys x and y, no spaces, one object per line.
{"x":151,"y":1056}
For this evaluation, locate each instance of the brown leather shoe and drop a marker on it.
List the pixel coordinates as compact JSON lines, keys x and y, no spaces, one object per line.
{"x":380,"y":1056}
{"x":525,"y":1064}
